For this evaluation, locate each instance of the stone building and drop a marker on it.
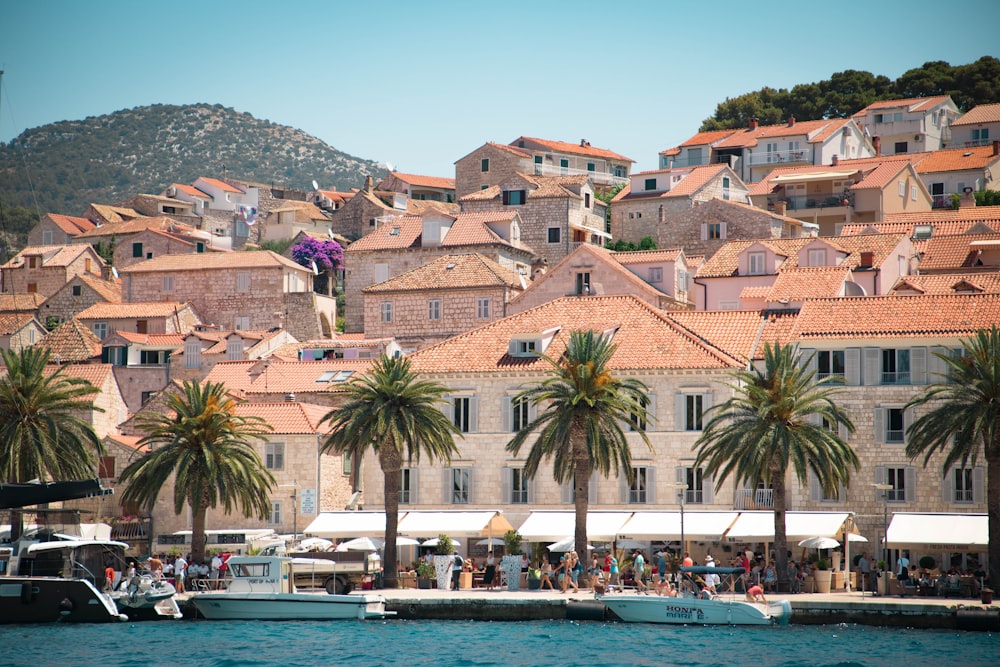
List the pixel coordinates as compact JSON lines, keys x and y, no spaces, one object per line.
{"x":45,"y":269}
{"x":407,"y":242}
{"x":255,"y":290}
{"x":430,"y":303}
{"x":109,"y":408}
{"x":415,"y":186}
{"x":80,"y":293}
{"x":152,"y":242}
{"x":152,"y":317}
{"x":203,"y":348}
{"x":141,"y":363}
{"x":18,"y":331}
{"x":55,"y":229}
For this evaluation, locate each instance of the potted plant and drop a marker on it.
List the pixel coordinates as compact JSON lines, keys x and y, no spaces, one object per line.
{"x":534,"y":578}
{"x":511,"y":561}
{"x":822,"y":576}
{"x":443,"y":561}
{"x":425,"y":574}
{"x":927,"y":562}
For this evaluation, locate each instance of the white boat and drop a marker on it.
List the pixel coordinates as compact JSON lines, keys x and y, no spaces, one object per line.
{"x":144,"y":597}
{"x":262,"y":588}
{"x":694,"y":608}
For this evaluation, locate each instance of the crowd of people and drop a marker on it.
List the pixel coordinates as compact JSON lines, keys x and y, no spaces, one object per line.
{"x":183,"y":571}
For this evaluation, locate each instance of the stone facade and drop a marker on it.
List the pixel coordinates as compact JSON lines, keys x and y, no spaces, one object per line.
{"x":180,"y":321}
{"x":20,"y":332}
{"x":45,"y":269}
{"x":502,"y":162}
{"x":49,"y":232}
{"x":359,"y":215}
{"x":148,"y":244}
{"x":76,"y":296}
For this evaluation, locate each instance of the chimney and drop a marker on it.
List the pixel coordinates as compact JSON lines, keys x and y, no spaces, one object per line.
{"x":867,"y":259}
{"x":584,"y":143}
{"x":780,"y":207}
{"x":877,"y":145}
{"x":369,"y":183}
{"x":968,"y":199}
{"x":996,"y":147}
{"x":753,"y":122}
{"x":791,"y":120}
{"x":835,"y":161}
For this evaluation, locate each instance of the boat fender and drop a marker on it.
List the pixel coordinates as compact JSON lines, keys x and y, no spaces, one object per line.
{"x":66,"y":607}
{"x":584,"y":610}
{"x":26,"y":592}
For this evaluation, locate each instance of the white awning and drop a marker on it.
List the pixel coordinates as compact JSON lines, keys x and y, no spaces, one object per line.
{"x":813,"y":176}
{"x":347,"y":524}
{"x":759,"y":526}
{"x":944,"y":530}
{"x":454,"y":523}
{"x":590,"y":230}
{"x":708,"y":526}
{"x":554,"y":525}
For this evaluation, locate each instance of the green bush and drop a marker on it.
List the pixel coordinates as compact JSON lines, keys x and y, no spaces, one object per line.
{"x":444,"y":545}
{"x":425,"y":570}
{"x":512,"y":543}
{"x":822,"y":564}
{"x":927,"y":562}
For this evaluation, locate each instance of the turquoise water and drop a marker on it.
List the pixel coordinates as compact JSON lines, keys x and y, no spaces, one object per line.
{"x":548,"y":643}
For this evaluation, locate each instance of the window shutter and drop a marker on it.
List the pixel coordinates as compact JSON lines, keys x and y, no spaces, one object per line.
{"x":531,"y":491}
{"x":506,"y":480}
{"x":532,"y":411}
{"x":907,"y":422}
{"x":651,"y":409}
{"x":472,"y":485}
{"x":414,"y":485}
{"x":842,"y":431}
{"x":704,"y":232}
{"x":936,"y":366}
{"x":680,"y":477}
{"x":979,"y":484}
{"x":852,"y":365}
{"x":706,"y":403}
{"x":446,"y":486}
{"x":873,"y":366}
{"x":708,"y":493}
{"x":881,"y":475}
{"x":947,"y":484}
{"x":449,"y":408}
{"x":815,"y":490}
{"x":566,"y":494}
{"x":918,"y":365}
{"x":473,"y":414}
{"x":651,"y":485}
{"x":506,"y":197}
{"x":722,"y":230}
{"x":910,"y":477}
{"x":879,"y":425}
{"x":594,"y":480}
{"x":807,"y":356}
{"x":679,"y":417}
{"x":623,"y":488}
{"x":507,"y":416}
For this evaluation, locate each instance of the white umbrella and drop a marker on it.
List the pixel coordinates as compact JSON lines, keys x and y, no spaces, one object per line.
{"x":493,"y":541}
{"x":433,"y":542}
{"x":854,"y":537}
{"x":565,"y":544}
{"x":819,"y":543}
{"x":360,"y":544}
{"x":313,"y":544}
{"x":406,"y":541}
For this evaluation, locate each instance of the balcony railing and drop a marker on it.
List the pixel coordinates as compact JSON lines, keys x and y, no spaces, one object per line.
{"x":134,"y":530}
{"x":754,"y":499}
{"x":596,"y":176}
{"x":820,"y":200}
{"x":896,"y":377}
{"x":779,"y":157}
{"x":978,"y":142}
{"x":942,"y":201}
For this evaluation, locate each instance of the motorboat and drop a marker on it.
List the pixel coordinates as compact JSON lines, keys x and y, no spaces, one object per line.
{"x":142,"y":597}
{"x":693,"y":605}
{"x":263,"y":588}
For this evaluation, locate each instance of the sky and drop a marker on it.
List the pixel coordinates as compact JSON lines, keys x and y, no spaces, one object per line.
{"x":420,"y":84}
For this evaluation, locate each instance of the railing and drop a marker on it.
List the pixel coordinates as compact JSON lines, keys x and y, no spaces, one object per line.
{"x":672,"y":162}
{"x":130,"y":529}
{"x":894,"y":436}
{"x":942,"y":201}
{"x":802,"y":202}
{"x":753,"y":499}
{"x":978,"y":142}
{"x":779,"y":157}
{"x":895,"y":377}
{"x":595,"y":176}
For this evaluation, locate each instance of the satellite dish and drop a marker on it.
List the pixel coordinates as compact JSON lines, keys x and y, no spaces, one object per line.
{"x":315,"y":185}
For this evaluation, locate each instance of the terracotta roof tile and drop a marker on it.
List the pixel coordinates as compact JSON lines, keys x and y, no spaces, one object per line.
{"x":70,"y":224}
{"x":190,"y":190}
{"x":957,"y":159}
{"x":988,"y":214}
{"x":11,"y":323}
{"x":95,"y":374}
{"x":645,"y":337}
{"x":801,"y":283}
{"x":53,"y":255}
{"x":123,"y":311}
{"x":135,"y":225}
{"x":337,"y":196}
{"x":874,"y":317}
{"x":109,"y":290}
{"x":451,"y":272}
{"x":573,"y":149}
{"x":130,"y":441}
{"x":755,"y":292}
{"x":249,"y":259}
{"x":940,"y":228}
{"x":733,"y":331}
{"x":426,"y":181}
{"x":155,"y":340}
{"x":298,"y":377}
{"x":222,"y":185}
{"x":115,"y":213}
{"x":405,"y":232}
{"x":748,"y":138}
{"x":711,"y":137}
{"x":20,"y":302}
{"x":695,"y":178}
{"x":940,"y":253}
{"x":401,"y":232}
{"x":948,"y":283}
{"x":72,"y":341}
{"x":287,"y":417}
{"x":981,"y":113}
{"x":912,"y":104}
{"x":646,"y":256}
{"x":520,"y":152}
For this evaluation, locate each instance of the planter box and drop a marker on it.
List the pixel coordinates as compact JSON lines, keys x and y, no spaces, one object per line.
{"x":465,"y":580}
{"x":823,"y":580}
{"x":407,"y":581}
{"x":837,"y":584}
{"x":424,"y":583}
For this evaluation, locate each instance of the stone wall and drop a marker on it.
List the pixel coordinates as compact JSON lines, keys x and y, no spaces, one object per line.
{"x":133,"y":381}
{"x":153,"y":245}
{"x":48,"y":279}
{"x":356,"y":217}
{"x":469,"y":174}
{"x":63,"y":305}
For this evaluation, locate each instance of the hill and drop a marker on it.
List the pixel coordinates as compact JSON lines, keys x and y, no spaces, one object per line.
{"x":108,"y":158}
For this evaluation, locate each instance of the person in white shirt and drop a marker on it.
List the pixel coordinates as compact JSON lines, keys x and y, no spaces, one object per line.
{"x":180,"y":573}
{"x":216,"y":564}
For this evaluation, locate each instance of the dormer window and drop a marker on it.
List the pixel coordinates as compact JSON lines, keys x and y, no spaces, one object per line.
{"x":817,"y":257}
{"x":650,"y":184}
{"x":755,"y":262}
{"x":513,"y":197}
{"x":530,"y":344}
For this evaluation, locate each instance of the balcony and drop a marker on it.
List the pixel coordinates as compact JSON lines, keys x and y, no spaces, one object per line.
{"x":896,"y":377}
{"x":595,"y":176}
{"x":130,"y":529}
{"x":754,"y":499}
{"x":818,"y":200}
{"x":942,"y":201}
{"x":781,"y":158}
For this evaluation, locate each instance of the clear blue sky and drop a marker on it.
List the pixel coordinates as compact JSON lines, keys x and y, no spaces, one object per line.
{"x":420,"y":84}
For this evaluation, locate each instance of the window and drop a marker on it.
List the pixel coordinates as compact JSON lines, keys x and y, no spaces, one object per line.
{"x":554,"y":234}
{"x":895,"y":366}
{"x":274,"y":456}
{"x":199,"y":247}
{"x":586,"y":200}
{"x":639,"y":424}
{"x":484,"y":165}
{"x":913,"y":192}
{"x":656,"y":274}
{"x":830,"y":362}
{"x":386,"y":310}
{"x":47,"y":237}
{"x":241,"y":229}
{"x":464,"y":410}
{"x":192,"y":354}
{"x":714,"y":231}
{"x":347,"y":463}
{"x":434,"y":309}
{"x":459,"y":485}
{"x":167,"y":284}
{"x":591,"y":166}
{"x":642,"y":489}
{"x":965,"y":485}
{"x":524,"y":348}
{"x":241,"y":322}
{"x":275,"y":517}
{"x":756,"y":263}
{"x":106,"y":467}
{"x":563,"y":166}
{"x":243,"y":281}
{"x":538,"y":165}
{"x":408,"y":486}
{"x":32,"y":288}
{"x":137,"y":250}
{"x":650,"y":184}
{"x":981,"y":136}
{"x":77,"y":290}
{"x":381,"y":272}
{"x":694,"y":157}
{"x":902,"y":479}
{"x":145,"y":396}
{"x":699,"y":485}
{"x":513,"y":197}
{"x":817,"y":257}
{"x":691,"y":409}
{"x":33,"y":262}
{"x":516,"y":486}
{"x":153,"y":357}
{"x":521,"y":414}
{"x":142,"y":326}
{"x":583,"y":282}
{"x":483,"y":307}
{"x":901,"y":147}
{"x":101,"y":330}
{"x":115,"y":355}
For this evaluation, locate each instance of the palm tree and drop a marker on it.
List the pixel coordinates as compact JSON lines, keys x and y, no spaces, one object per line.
{"x":42,"y":437}
{"x":389,"y":410}
{"x":775,"y":419}
{"x":580,"y":428}
{"x":964,"y":423}
{"x":208,"y":450}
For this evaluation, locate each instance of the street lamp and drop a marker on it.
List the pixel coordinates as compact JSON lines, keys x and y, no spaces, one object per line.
{"x":682,"y":488}
{"x":885,"y":489}
{"x":295,"y":508}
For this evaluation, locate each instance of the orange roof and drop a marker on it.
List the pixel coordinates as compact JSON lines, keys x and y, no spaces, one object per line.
{"x":711,"y":138}
{"x":695,"y":178}
{"x":70,"y":224}
{"x":897,"y":316}
{"x":11,"y":323}
{"x":451,"y":272}
{"x":298,"y":377}
{"x":247,"y":259}
{"x":957,"y":159}
{"x":71,"y":341}
{"x":873,"y":172}
{"x":583,"y":148}
{"x":733,"y":331}
{"x":646,"y":339}
{"x":912,"y":104}
{"x":748,"y":138}
{"x":287,"y":417}
{"x":136,"y":225}
{"x":801,"y":283}
{"x":948,"y":283}
{"x":95,"y":374}
{"x":52,"y":255}
{"x":336,"y":195}
{"x":20,"y":302}
{"x":468,"y":229}
{"x":123,"y":311}
{"x":426,"y":181}
{"x":941,"y":253}
{"x":155,"y":340}
{"x":646,"y":256}
{"x":222,"y":185}
{"x":190,"y":190}
{"x":988,"y":214}
{"x":940,"y":228}
{"x":109,"y":290}
{"x":130,"y":441}
{"x":981,"y":113}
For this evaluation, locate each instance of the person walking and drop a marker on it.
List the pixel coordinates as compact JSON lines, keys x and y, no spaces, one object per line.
{"x":865,"y":570}
{"x":575,"y":568}
{"x":180,"y":573}
{"x":490,"y":573}
{"x":639,"y":566}
{"x":903,"y":574}
{"x":456,"y":569}
{"x":614,"y":579}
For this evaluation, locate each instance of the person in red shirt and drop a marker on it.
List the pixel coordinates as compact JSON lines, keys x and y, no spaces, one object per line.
{"x":109,"y":577}
{"x":756,"y":594}
{"x":688,"y":562}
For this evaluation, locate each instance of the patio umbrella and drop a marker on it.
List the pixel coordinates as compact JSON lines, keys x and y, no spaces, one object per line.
{"x":360,"y":544}
{"x":433,"y":542}
{"x":406,"y":541}
{"x":313,"y":544}
{"x":565,"y":544}
{"x":492,"y":541}
{"x":819,"y":543}
{"x":854,"y":537}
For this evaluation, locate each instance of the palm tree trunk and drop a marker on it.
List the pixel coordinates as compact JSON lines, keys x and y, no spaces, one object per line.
{"x":581,"y":487}
{"x":389,"y":460}
{"x":780,"y":539}
{"x":993,"y":512}
{"x":198,"y":532}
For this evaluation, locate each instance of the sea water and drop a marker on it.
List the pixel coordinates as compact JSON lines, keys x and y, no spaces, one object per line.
{"x":546,"y":643}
